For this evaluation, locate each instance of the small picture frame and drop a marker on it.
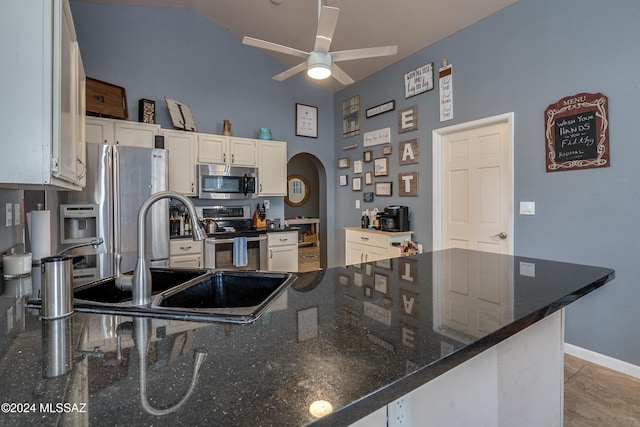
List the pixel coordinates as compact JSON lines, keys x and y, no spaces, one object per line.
{"x":381,"y":283}
{"x":383,"y":188}
{"x":356,"y":183}
{"x":368,"y":269}
{"x":357,"y":279}
{"x":344,"y":180}
{"x":306,"y":120}
{"x":368,"y":178}
{"x":367,"y":156}
{"x":344,"y":162}
{"x":381,"y":166}
{"x":357,"y":166}
{"x":343,"y":280}
{"x":387,"y":150}
{"x":367,"y":291}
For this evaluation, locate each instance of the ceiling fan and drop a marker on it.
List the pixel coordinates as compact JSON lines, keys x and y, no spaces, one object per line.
{"x":320,"y":63}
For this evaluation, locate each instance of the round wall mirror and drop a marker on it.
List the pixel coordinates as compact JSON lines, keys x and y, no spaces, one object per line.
{"x":297,"y":190}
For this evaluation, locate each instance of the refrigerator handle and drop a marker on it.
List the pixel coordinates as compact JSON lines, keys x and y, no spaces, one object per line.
{"x":117,"y":244}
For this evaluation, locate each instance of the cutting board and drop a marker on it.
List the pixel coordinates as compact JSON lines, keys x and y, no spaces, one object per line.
{"x":106,"y":100}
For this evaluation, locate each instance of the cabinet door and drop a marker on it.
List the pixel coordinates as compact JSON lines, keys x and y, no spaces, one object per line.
{"x":283,"y":258}
{"x":68,"y":123}
{"x":133,"y":134}
{"x":99,"y":131}
{"x":181,"y":148}
{"x":357,"y":253}
{"x":242,"y":151}
{"x":272,"y":168}
{"x":354,"y":254}
{"x":212,"y":149}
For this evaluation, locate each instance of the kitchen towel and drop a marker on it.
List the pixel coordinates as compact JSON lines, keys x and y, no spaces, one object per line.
{"x":240,"y":251}
{"x":40,"y":234}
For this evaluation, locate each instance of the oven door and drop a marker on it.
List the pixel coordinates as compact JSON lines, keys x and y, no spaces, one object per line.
{"x":218,"y":253}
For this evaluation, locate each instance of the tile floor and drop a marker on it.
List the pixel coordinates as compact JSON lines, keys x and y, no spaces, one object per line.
{"x":595,"y":396}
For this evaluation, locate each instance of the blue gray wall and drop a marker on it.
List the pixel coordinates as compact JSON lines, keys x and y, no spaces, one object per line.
{"x":155,"y":52}
{"x":520,"y":60}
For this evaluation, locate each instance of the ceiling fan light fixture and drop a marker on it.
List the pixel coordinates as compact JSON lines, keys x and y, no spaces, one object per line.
{"x":319,"y":65}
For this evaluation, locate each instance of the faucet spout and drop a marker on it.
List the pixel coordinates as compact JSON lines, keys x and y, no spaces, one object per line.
{"x":141,"y":281}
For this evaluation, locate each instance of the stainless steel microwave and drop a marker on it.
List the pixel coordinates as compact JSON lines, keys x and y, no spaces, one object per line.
{"x":227,"y":182}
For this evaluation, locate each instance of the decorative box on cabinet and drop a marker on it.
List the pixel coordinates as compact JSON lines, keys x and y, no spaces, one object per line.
{"x":43,"y":94}
{"x":282,"y":248}
{"x":363,"y":245}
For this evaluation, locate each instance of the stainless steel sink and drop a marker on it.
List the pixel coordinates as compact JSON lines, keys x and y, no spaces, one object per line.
{"x":228,"y":296}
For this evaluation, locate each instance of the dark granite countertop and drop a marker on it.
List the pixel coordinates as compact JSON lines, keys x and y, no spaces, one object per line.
{"x":357,"y":337}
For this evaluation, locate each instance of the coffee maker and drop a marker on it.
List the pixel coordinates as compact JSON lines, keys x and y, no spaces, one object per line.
{"x":395,"y":218}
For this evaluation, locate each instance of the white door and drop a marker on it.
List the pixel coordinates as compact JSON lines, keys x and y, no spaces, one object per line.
{"x":473,"y":192}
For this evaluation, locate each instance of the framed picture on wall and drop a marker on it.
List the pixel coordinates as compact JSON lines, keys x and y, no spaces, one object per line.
{"x":356,"y":183}
{"x":381,"y":166}
{"x":306,"y":120}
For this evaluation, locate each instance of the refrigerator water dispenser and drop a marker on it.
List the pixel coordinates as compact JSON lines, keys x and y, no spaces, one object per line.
{"x":78,"y":223}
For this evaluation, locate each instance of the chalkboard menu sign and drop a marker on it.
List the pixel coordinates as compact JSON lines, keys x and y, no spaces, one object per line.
{"x":577,"y":132}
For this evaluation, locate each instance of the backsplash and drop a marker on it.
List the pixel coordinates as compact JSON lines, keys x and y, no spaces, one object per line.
{"x":13,"y":235}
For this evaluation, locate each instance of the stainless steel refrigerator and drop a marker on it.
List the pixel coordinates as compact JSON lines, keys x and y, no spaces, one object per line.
{"x":119,"y":179}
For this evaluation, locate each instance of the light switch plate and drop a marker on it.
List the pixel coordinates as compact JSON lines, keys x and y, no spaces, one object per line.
{"x":527,"y":269}
{"x":9,"y":214}
{"x":357,"y":203}
{"x":527,"y":208}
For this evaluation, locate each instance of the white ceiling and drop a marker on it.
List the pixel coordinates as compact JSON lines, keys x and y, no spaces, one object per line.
{"x":409,"y":24}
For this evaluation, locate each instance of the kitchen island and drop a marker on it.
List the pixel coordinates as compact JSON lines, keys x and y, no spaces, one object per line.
{"x":349,"y":339}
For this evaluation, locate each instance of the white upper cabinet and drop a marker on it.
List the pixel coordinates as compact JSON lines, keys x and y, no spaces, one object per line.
{"x":272,"y":168}
{"x":43,"y":94}
{"x":228,"y":150}
{"x":121,"y":132}
{"x":182,"y":149}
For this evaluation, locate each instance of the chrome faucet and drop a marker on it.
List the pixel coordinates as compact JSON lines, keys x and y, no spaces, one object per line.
{"x":140,"y":282}
{"x":95,"y":243}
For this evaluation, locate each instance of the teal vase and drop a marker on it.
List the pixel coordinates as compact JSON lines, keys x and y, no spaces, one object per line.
{"x":265,"y":133}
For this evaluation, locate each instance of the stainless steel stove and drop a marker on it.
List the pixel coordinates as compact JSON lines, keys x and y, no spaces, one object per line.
{"x":232,"y":222}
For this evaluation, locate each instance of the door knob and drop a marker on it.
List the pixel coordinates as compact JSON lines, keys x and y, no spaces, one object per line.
{"x":501,"y":235}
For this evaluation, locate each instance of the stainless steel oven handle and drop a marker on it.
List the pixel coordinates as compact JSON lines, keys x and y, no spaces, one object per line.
{"x":214,"y":241}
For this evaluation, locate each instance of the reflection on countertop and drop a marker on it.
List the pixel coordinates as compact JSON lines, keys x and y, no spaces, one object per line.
{"x":343,"y":336}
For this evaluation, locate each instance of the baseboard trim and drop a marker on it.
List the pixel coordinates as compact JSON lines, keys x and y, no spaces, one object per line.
{"x":602,"y":360}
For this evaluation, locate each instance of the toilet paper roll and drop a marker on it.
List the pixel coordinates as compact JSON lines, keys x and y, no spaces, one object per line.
{"x":40,"y":234}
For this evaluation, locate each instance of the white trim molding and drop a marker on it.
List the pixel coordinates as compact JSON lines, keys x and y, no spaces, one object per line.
{"x":603,"y":360}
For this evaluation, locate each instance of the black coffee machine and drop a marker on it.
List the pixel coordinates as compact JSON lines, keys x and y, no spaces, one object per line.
{"x":394,"y":218}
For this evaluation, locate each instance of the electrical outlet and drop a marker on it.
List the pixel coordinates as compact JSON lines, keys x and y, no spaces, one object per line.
{"x":357,"y":203}
{"x":398,"y":412}
{"x":267,"y":204}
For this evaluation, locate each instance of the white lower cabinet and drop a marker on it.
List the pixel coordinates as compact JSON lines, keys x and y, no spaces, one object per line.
{"x":282,"y":250}
{"x":362,"y":245}
{"x":185,"y":253}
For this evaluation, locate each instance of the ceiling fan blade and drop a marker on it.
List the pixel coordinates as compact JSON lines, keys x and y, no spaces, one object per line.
{"x":326,"y":26}
{"x":369,"y":52}
{"x":290,"y":72}
{"x":262,"y":44}
{"x":339,"y":74}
